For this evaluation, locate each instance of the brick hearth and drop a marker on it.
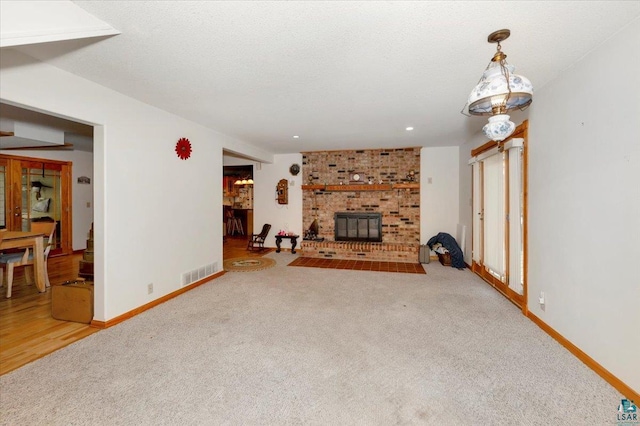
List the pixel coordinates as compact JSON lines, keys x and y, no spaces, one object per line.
{"x":350,"y":250}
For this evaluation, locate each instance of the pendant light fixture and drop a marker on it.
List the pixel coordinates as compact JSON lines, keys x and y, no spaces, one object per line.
{"x":245,"y":181}
{"x":499,"y":91}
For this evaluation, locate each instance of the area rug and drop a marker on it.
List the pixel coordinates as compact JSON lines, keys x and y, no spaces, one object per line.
{"x":248,"y":264}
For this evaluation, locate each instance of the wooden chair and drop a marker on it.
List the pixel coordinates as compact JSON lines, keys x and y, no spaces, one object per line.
{"x":256,"y":241}
{"x":13,"y":260}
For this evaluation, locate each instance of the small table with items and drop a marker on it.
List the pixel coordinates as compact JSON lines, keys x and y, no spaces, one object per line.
{"x":292,"y":237}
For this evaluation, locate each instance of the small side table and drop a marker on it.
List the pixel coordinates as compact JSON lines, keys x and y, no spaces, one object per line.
{"x":294,"y":242}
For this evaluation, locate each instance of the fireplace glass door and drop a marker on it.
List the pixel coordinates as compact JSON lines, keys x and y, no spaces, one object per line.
{"x":353,"y":226}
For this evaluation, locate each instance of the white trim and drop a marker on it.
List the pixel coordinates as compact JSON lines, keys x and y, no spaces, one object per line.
{"x":29,"y":22}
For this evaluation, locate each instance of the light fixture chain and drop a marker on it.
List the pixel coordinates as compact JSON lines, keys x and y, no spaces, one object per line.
{"x":505,"y":72}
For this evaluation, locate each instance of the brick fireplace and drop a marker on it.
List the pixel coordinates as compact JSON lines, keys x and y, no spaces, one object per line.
{"x":388,"y":186}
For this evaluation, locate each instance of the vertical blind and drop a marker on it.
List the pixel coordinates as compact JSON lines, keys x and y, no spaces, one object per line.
{"x":494,"y":214}
{"x":477,"y":213}
{"x":516,"y":202}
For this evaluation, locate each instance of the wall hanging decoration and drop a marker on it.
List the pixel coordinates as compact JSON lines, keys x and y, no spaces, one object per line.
{"x":282,"y":191}
{"x":183,"y":148}
{"x":294,"y":169}
{"x":356,"y":178}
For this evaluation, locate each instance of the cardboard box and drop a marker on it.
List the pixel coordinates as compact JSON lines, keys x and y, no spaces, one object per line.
{"x":72,"y":302}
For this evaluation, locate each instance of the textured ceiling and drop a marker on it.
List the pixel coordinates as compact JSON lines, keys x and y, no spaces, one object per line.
{"x":335,"y":73}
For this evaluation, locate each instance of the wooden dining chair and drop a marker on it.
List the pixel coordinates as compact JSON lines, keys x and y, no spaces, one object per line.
{"x":10,"y":261}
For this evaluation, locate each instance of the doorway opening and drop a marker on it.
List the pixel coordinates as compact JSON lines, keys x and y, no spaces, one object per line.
{"x":43,"y":180}
{"x":237,"y":203}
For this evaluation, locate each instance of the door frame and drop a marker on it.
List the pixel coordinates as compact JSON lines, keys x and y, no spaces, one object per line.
{"x":13,"y":201}
{"x":519,"y":300}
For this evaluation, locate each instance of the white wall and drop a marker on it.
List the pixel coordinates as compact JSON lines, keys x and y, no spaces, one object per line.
{"x":439,"y":200}
{"x":266,"y":208}
{"x":156,"y":216}
{"x":235,"y":161}
{"x":584,"y":204}
{"x":82,"y":216}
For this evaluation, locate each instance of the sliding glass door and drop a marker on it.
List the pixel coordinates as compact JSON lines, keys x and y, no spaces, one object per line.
{"x":499,"y":216}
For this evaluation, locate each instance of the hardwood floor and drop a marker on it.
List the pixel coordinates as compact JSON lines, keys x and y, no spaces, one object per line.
{"x":236,"y":246}
{"x":27,"y":330}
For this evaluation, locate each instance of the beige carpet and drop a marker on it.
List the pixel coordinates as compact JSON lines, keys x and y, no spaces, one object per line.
{"x":309,"y":346}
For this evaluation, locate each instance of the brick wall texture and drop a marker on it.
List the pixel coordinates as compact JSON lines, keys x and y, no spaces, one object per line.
{"x":400,"y":208}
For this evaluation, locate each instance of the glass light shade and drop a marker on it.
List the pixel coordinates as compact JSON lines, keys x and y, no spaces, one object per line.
{"x":238,"y":182}
{"x":492,"y":91}
{"x":250,"y":181}
{"x":499,"y":127}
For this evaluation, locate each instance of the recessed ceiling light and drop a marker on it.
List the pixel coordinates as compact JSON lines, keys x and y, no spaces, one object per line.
{"x":408,"y":129}
{"x":296,"y":137}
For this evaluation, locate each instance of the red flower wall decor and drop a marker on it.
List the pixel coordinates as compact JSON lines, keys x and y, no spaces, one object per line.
{"x":183,"y":148}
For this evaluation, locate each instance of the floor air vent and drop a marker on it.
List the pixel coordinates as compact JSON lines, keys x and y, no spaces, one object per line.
{"x":199,"y":273}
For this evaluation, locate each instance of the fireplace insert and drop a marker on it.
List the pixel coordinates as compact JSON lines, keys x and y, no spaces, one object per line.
{"x":358,"y":226}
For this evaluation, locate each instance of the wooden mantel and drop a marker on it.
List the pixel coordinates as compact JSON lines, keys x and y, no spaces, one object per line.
{"x":361,"y":187}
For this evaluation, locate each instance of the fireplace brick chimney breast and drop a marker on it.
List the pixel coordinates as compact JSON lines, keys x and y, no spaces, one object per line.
{"x":399,"y":209}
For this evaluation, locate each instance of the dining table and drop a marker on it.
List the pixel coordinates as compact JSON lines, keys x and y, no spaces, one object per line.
{"x":32,"y":240}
